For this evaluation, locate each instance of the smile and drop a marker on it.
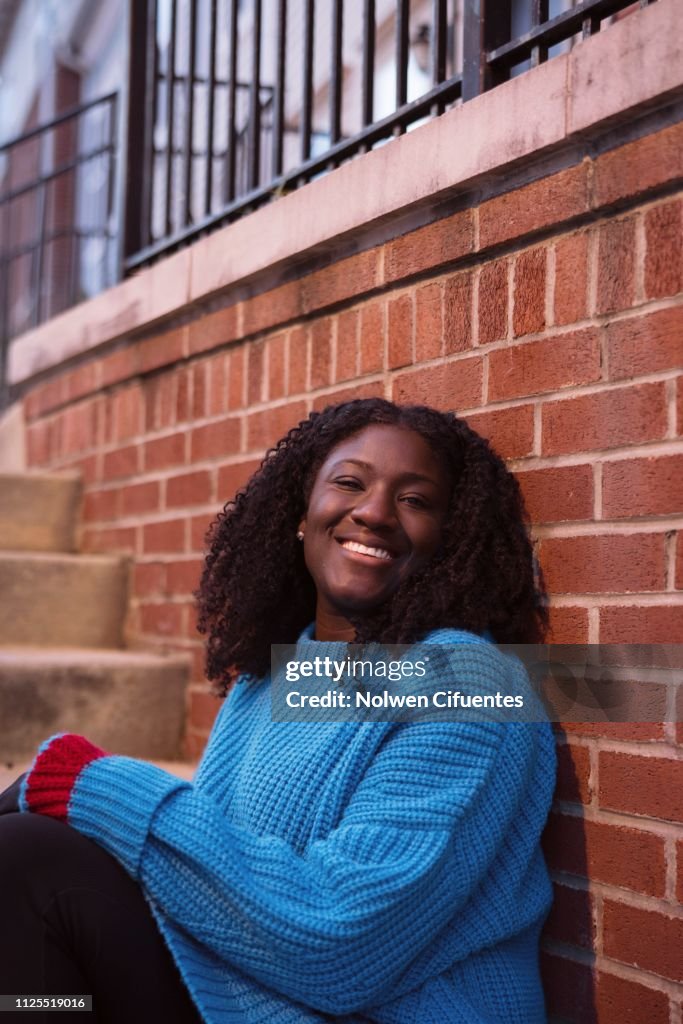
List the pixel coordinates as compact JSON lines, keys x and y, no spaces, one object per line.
{"x":362,"y":549}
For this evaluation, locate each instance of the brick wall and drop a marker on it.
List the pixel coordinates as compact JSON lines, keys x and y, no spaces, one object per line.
{"x":552,"y":318}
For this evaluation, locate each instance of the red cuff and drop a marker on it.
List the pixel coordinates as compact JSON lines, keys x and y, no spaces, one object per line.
{"x":57,"y":766}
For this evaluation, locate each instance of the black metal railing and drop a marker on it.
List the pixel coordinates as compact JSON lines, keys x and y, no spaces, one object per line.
{"x":233,"y":102}
{"x":57,"y":217}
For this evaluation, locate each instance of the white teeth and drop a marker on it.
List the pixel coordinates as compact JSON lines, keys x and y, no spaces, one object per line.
{"x":351,"y":545}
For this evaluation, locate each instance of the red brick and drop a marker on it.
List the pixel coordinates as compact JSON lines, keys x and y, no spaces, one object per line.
{"x":457,"y":319}
{"x":271,"y":308}
{"x":611,"y":563}
{"x":372,"y":338}
{"x":217,"y":371}
{"x":664,"y":250}
{"x":189,"y":489}
{"x":428,"y":322}
{"x":640,"y":345}
{"x":606,"y":419}
{"x":199,"y":389}
{"x":432,"y":246}
{"x":619,"y":1001}
{"x":568,"y":625}
{"x":679,"y":870}
{"x":164,"y":451}
{"x":163,"y":619}
{"x":400,"y":349}
{"x":183,"y":577}
{"x":679,"y":561}
{"x":119,"y":365}
{"x":546,"y":365}
{"x":265,"y":428}
{"x":638,"y":166}
{"x":558,"y":494}
{"x":199,"y":525}
{"x":45,"y":397}
{"x":345,"y":279}
{"x":634,"y":624}
{"x":636,"y":732}
{"x":493,"y":302}
{"x":183,"y":394}
{"x":451,"y":386}
{"x":321,"y":353}
{"x":276,"y":366}
{"x":551,"y":200}
{"x":139,"y":498}
{"x":650,"y":786}
{"x":510,"y":431}
{"x":88,"y":467}
{"x":573,"y":773}
{"x":299,"y":353}
{"x":679,"y":406}
{"x":164,"y":536}
{"x":121,"y":462}
{"x":149,"y":578}
{"x":78,"y":427}
{"x":616,"y":265}
{"x":39,"y":443}
{"x":215,"y":439}
{"x":642,"y":487}
{"x":569,"y":989}
{"x":571,"y":918}
{"x":643,"y":938}
{"x":626,"y":857}
{"x":236,"y":374}
{"x":368,"y":389}
{"x":82,"y":381}
{"x":571,"y":264}
{"x":347,"y":345}
{"x":528,"y":314}
{"x":256,"y":382}
{"x":114,"y":540}
{"x":203,"y":709}
{"x":166,"y":348}
{"x":233,"y":477}
{"x":213,"y":329}
{"x":100,"y":505}
{"x":160,"y":400}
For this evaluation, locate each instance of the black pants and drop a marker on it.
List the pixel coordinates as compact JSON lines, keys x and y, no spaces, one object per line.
{"x":72,"y":922}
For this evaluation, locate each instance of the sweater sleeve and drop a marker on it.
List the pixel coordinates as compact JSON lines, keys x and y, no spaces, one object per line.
{"x":336,"y":927}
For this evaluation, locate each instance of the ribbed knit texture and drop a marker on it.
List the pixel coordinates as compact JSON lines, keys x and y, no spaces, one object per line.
{"x":367,"y":871}
{"x":50,"y":779}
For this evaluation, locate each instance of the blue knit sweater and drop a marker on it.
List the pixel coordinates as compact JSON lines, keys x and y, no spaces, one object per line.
{"x":361,"y":871}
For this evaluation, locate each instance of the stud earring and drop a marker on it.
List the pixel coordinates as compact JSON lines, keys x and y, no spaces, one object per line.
{"x":300,"y":535}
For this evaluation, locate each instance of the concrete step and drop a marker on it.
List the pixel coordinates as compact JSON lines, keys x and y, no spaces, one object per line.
{"x":62,"y":600}
{"x":129,"y":702}
{"x":39,"y":511}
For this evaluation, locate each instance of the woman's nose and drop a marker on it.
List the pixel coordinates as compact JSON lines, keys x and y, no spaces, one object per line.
{"x":374,"y":508}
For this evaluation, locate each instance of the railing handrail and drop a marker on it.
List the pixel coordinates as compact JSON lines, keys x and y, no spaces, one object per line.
{"x":67,"y":115}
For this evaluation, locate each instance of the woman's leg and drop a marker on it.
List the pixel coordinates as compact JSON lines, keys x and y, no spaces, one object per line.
{"x":72,"y":922}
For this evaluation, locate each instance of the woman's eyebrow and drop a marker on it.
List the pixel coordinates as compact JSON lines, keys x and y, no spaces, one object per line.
{"x":367,"y":465}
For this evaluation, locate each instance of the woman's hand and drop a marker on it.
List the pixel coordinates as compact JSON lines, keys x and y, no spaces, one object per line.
{"x":9,"y":798}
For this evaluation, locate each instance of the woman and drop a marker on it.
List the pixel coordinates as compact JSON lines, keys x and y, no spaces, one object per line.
{"x":351,"y":871}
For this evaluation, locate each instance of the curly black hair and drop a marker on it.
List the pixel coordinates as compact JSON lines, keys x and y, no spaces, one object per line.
{"x":255,"y":589}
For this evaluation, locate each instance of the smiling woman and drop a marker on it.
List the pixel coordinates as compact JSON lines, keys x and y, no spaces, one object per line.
{"x":353,"y":871}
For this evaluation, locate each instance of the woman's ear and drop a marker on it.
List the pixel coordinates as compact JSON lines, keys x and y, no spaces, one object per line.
{"x":301,"y":529}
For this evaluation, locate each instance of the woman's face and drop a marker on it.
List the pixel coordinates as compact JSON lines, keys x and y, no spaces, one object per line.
{"x":375,"y":516}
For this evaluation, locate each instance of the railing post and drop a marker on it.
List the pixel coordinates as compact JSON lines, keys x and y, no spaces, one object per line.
{"x":486,"y":25}
{"x":139,"y":175}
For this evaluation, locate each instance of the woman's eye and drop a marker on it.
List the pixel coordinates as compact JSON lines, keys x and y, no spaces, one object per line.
{"x":347,"y":481}
{"x":415,"y":501}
